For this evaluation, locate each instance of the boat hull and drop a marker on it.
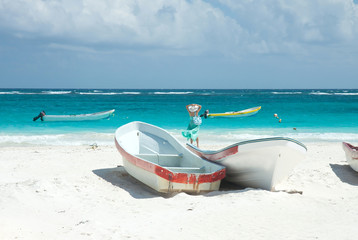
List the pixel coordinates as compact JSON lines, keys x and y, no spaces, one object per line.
{"x":351,"y":155}
{"x":261,"y":163}
{"x":173,"y":168}
{"x":78,"y":117}
{"x":242,"y":113}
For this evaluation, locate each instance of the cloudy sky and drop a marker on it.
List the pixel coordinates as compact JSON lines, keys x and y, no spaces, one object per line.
{"x":179,"y":44}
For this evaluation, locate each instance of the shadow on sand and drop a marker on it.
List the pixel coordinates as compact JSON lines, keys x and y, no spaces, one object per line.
{"x":345,"y":173}
{"x":228,"y":186}
{"x":119,"y":177}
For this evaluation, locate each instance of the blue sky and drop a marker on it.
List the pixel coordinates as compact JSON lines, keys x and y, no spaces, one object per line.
{"x":179,"y":44}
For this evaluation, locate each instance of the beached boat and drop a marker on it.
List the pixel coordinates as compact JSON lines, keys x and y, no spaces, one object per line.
{"x":260,"y":163}
{"x":242,"y":113}
{"x":77,"y":117}
{"x":157,"y":159}
{"x":351,"y":155}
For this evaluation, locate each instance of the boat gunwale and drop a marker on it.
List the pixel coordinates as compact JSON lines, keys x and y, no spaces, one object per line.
{"x":350,"y":146}
{"x":211,"y":152}
{"x":351,"y":150}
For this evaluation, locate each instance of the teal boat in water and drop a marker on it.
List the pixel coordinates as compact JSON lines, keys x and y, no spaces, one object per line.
{"x":75,"y":117}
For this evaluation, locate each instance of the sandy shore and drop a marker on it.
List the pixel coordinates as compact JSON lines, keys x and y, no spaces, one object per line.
{"x":81,"y":193}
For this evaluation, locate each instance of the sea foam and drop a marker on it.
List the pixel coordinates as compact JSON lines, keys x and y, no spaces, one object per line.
{"x":173,"y":93}
{"x":71,"y":139}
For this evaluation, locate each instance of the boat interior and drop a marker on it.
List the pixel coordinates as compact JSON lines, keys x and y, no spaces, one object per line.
{"x":159,"y":151}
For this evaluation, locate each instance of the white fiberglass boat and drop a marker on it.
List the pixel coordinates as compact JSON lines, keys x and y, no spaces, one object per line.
{"x":351,"y":155}
{"x":260,"y":163}
{"x":157,"y":159}
{"x":75,"y":117}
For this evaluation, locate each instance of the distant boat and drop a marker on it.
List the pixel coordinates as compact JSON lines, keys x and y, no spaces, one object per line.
{"x":76,"y":117}
{"x":351,"y":155}
{"x":260,"y":163}
{"x":242,"y":113}
{"x":157,"y":159}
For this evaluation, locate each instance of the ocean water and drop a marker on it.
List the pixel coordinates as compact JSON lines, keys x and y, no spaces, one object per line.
{"x":306,"y":115}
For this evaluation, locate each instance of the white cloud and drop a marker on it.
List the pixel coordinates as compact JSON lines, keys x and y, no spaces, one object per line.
{"x":170,"y":24}
{"x":233,"y":27}
{"x":281,"y":24}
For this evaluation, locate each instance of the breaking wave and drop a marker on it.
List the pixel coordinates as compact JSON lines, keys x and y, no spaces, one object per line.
{"x":158,"y":93}
{"x":56,"y":92}
{"x":286,"y":92}
{"x":108,"y":93}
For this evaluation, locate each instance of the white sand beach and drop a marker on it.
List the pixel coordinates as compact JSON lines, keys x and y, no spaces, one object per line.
{"x":57,"y":192}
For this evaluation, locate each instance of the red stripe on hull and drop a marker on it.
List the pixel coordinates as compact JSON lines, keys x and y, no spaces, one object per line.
{"x":216,"y":156}
{"x":183,"y":178}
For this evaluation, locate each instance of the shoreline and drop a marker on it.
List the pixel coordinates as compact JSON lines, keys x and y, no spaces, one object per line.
{"x":206,"y":137}
{"x":77,"y":192}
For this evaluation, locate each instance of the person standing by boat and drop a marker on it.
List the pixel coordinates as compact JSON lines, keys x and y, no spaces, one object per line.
{"x":192,"y":130}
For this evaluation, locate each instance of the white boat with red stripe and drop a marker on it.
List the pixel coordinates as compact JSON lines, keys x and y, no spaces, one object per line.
{"x":260,"y":163}
{"x":154,"y":157}
{"x":351,"y":155}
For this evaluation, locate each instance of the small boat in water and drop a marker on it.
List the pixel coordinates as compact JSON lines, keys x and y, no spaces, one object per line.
{"x":242,"y":113}
{"x":260,"y":163}
{"x":351,"y":155}
{"x":76,"y":117}
{"x":157,"y":159}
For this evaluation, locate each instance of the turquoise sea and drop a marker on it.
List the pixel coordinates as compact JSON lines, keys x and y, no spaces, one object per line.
{"x":316,"y":115}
